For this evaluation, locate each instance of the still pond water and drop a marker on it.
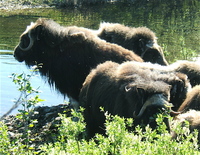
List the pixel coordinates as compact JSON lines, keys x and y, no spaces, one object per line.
{"x":176,"y":24}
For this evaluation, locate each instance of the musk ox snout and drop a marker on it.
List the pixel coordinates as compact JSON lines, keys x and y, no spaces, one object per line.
{"x":155,"y":55}
{"x":18,"y":54}
{"x":158,"y":101}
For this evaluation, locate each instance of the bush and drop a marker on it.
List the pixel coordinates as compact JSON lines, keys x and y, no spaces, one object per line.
{"x":119,"y":140}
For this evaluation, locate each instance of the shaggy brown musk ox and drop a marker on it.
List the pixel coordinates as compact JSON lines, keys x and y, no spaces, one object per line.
{"x":190,"y":77}
{"x":130,"y":90}
{"x":67,"y":54}
{"x":141,"y":40}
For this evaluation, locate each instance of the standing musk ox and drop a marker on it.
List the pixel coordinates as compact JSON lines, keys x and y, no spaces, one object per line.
{"x":130,"y":90}
{"x":67,"y":54}
{"x":141,"y":40}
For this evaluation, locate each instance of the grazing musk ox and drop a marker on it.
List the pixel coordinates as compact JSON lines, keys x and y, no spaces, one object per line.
{"x":130,"y":90}
{"x":190,"y":77}
{"x":141,"y":40}
{"x":67,"y":54}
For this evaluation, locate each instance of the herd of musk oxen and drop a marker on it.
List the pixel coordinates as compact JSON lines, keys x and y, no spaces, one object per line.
{"x":119,"y":68}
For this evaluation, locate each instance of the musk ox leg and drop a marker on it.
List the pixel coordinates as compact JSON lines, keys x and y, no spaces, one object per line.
{"x":95,"y":121}
{"x":192,"y":100}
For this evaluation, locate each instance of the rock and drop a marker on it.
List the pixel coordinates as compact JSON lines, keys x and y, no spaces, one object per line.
{"x":44,"y":128}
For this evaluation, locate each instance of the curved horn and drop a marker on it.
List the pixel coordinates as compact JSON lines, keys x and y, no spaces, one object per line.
{"x":156,"y":99}
{"x":30,"y":44}
{"x":174,"y":113}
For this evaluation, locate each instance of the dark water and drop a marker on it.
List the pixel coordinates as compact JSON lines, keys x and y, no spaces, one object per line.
{"x":176,"y":24}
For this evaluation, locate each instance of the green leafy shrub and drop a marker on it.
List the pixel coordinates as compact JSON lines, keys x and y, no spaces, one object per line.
{"x":120,"y":141}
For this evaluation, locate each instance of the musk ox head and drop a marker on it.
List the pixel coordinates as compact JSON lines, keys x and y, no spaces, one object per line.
{"x":127,"y":90}
{"x":141,"y":40}
{"x":41,"y":38}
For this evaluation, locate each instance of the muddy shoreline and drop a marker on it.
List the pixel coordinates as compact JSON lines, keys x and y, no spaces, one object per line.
{"x":10,"y":5}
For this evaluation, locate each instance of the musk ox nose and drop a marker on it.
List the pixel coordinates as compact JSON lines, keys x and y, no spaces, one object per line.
{"x":18,"y":54}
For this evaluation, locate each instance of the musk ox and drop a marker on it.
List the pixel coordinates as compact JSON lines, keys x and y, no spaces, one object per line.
{"x":141,"y":40}
{"x":66,"y":54}
{"x":190,"y":68}
{"x":190,"y":111}
{"x":190,"y":77}
{"x":192,"y":117}
{"x":192,"y":100}
{"x":130,"y":90}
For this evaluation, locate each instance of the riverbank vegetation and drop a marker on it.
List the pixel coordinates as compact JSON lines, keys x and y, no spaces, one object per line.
{"x":69,"y":139}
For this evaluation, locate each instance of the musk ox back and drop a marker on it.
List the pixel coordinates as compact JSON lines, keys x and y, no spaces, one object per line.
{"x":66,"y":54}
{"x":129,"y":90}
{"x":141,"y":40}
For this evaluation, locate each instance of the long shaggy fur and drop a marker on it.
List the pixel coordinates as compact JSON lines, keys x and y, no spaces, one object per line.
{"x":141,"y":40}
{"x":123,"y":89}
{"x":67,"y":54}
{"x":190,"y":76}
{"x":192,"y":100}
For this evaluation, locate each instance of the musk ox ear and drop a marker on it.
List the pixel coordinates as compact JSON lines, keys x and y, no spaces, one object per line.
{"x":77,"y":37}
